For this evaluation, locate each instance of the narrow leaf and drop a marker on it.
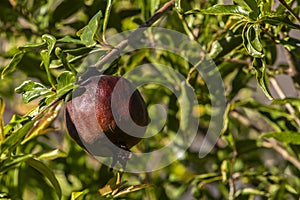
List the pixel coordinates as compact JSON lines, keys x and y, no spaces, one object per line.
{"x":76,"y":195}
{"x":45,"y":171}
{"x":106,"y":18}
{"x":177,"y":4}
{"x":68,"y":39}
{"x":31,"y":47}
{"x":250,"y":5}
{"x":288,"y":137}
{"x":12,"y":162}
{"x":16,"y":137}
{"x":293,"y":101}
{"x":40,"y":127}
{"x":46,"y":61}
{"x":222,"y":10}
{"x":51,"y":155}
{"x":279,"y":19}
{"x":261,"y":76}
{"x":251,"y":41}
{"x":2,"y":106}
{"x":63,"y":57}
{"x":130,"y":189}
{"x":13,"y":64}
{"x":51,"y":41}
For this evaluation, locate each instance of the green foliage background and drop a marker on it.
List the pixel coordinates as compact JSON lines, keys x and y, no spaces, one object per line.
{"x":42,"y":43}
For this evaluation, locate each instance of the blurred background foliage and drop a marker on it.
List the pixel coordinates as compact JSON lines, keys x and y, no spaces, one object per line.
{"x":256,"y":47}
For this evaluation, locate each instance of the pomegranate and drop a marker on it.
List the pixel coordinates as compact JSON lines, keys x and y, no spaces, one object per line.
{"x":102,"y":118}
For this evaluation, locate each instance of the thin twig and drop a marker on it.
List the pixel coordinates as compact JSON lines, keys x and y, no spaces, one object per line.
{"x":114,"y":53}
{"x":248,"y":63}
{"x":289,"y":58}
{"x":231,"y":180}
{"x":290,"y":9}
{"x":271,"y":143}
{"x":281,"y":95}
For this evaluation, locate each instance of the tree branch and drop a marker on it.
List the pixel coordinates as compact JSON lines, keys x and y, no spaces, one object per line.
{"x":114,"y":53}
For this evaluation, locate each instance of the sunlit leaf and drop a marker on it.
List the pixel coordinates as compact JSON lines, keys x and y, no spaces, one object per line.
{"x":51,"y":41}
{"x":31,"y":90}
{"x":89,"y":34}
{"x":130,"y":189}
{"x":40,"y":127}
{"x":222,"y":10}
{"x":51,"y":155}
{"x":111,"y":186}
{"x":76,"y":195}
{"x":177,"y":4}
{"x":250,"y":5}
{"x":251,"y":41}
{"x":261,"y":76}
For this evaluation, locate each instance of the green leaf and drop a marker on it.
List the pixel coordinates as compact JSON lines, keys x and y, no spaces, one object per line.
{"x":275,"y":20}
{"x":16,"y":137}
{"x":2,"y":106}
{"x":45,"y":171}
{"x":251,"y":40}
{"x":11,"y":162}
{"x":40,"y":127}
{"x":216,"y":49}
{"x":106,"y":19}
{"x":254,"y":105}
{"x":68,"y":39}
{"x":51,"y":155}
{"x":65,"y":82}
{"x":63,"y":57}
{"x":131,"y":189}
{"x":275,"y":116}
{"x":64,"y":79}
{"x":15,"y":122}
{"x":12,"y":64}
{"x":222,"y":10}
{"x":31,"y":90}
{"x":249,"y":5}
{"x":110,"y":186}
{"x":31,"y":47}
{"x":46,"y":61}
{"x":51,"y":41}
{"x":288,"y":137}
{"x":250,"y":191}
{"x":89,"y":33}
{"x":177,"y":4}
{"x":294,"y":101}
{"x":76,"y":195}
{"x":261,"y":76}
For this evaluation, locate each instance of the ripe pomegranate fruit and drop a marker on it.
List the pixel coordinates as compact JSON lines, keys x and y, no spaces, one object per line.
{"x":98,"y":107}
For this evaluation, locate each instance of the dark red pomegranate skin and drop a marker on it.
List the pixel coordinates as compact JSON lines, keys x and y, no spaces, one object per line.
{"x":91,"y":123}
